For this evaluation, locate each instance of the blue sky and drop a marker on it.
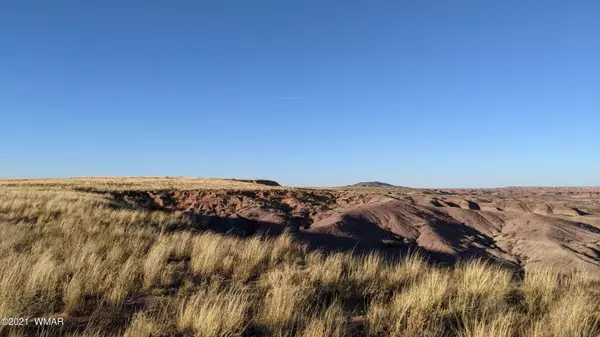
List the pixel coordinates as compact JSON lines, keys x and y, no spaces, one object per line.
{"x":415,"y":93}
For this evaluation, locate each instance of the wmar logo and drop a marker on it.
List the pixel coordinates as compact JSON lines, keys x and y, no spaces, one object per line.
{"x":49,"y":321}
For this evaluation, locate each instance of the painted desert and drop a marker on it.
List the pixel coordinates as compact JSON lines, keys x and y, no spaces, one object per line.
{"x":163,"y":256}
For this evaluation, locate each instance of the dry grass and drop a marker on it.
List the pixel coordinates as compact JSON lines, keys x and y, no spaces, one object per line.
{"x":113,"y":271}
{"x":214,"y":312}
{"x":132,"y":184}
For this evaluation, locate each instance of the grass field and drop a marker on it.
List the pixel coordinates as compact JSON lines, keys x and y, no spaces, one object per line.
{"x":69,"y":250}
{"x":109,"y":184}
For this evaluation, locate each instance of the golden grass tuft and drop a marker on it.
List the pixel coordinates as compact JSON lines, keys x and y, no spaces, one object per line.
{"x":214,"y":312}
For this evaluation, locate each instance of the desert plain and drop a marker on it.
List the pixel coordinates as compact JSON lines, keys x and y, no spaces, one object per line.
{"x":169,"y":256}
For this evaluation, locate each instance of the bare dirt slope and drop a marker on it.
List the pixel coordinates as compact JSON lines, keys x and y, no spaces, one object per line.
{"x":521,"y":228}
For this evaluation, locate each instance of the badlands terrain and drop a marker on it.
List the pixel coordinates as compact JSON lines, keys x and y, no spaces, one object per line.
{"x":518,"y":227}
{"x":213,"y":257}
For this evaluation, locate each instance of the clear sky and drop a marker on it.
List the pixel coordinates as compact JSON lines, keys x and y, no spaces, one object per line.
{"x":415,"y":93}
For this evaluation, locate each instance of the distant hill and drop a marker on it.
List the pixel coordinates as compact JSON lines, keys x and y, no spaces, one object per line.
{"x":372,"y":184}
{"x":259,"y":181}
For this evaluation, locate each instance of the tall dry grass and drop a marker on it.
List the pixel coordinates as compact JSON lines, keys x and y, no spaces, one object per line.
{"x":113,"y":271}
{"x":107,"y":184}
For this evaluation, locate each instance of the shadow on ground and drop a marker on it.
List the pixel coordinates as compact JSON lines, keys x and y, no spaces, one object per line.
{"x":369,"y":237}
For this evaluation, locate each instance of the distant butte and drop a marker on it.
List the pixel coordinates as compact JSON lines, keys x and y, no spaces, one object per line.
{"x":372,"y":184}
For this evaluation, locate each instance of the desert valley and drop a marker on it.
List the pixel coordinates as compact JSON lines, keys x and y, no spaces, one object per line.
{"x":162,"y":256}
